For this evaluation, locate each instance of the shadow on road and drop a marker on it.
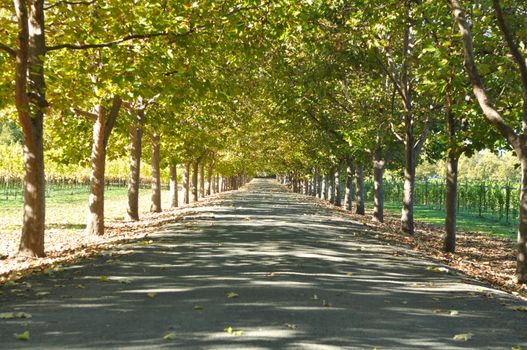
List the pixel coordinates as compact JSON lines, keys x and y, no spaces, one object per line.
{"x":279,"y":270}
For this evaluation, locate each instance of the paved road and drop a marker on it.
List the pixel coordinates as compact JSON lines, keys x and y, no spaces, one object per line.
{"x":300,"y":277}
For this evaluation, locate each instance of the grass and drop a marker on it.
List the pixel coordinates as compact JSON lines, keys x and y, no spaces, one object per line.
{"x":67,"y":209}
{"x":465,"y":222}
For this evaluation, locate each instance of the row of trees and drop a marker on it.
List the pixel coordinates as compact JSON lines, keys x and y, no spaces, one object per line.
{"x":307,"y":88}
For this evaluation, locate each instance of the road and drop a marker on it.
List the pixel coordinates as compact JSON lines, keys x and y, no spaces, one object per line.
{"x":261,"y":268}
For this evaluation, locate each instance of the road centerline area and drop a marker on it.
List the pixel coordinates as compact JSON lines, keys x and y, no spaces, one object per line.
{"x":260,"y":268}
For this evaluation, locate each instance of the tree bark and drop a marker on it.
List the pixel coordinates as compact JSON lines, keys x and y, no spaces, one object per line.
{"x":155,"y":206}
{"x":202,"y":180}
{"x":359,"y":190}
{"x":449,"y":244}
{"x":326,"y":189}
{"x":186,"y":183}
{"x":378,"y":178}
{"x":136,"y":136}
{"x":350,"y":188}
{"x":332,"y":186}
{"x":210,"y":178}
{"x":30,"y":101}
{"x":102,"y":129}
{"x":338,"y":189}
{"x":173,"y":186}
{"x":407,"y":215}
{"x":451,"y":203}
{"x":195,"y":170}
{"x":521,"y":264}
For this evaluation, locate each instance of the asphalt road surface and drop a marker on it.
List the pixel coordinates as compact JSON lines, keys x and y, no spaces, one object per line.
{"x":260,"y":269}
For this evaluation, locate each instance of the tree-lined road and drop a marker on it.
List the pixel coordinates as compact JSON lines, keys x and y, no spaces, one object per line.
{"x":260,"y":269}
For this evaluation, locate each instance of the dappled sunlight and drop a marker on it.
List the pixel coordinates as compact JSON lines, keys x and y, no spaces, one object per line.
{"x":280,"y":278}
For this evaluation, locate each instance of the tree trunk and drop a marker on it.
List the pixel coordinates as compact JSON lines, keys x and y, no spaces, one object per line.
{"x":155,"y":206}
{"x":195,"y":169}
{"x":521,"y":265}
{"x":30,"y":100}
{"x":449,"y":244}
{"x":202,"y":180}
{"x":319,"y":186}
{"x":332,"y":186}
{"x":326,"y":189}
{"x":173,"y":186}
{"x":186,"y":183}
{"x":209,"y":179}
{"x":136,"y":136}
{"x":451,"y":203}
{"x":378,"y":193}
{"x":407,"y":215}
{"x":494,"y":117}
{"x":359,"y":190}
{"x":350,"y":190}
{"x":102,"y":129}
{"x":338,"y":186}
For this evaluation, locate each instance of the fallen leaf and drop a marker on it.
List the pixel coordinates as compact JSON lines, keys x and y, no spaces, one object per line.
{"x":9,"y":315}
{"x":169,"y":336}
{"x":232,"y":295}
{"x":198,"y":307}
{"x":349,"y":273}
{"x":520,"y":308}
{"x":104,"y":278}
{"x":454,"y":312}
{"x":290,"y":325}
{"x":42,"y":294}
{"x":151,"y":294}
{"x":438,"y":269}
{"x":125,"y":281}
{"x":233,"y":332}
{"x":463,"y":336}
{"x":314,"y":297}
{"x":22,"y":336}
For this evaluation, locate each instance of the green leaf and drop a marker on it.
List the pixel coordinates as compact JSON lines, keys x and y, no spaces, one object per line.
{"x":22,"y":336}
{"x":232,"y":295}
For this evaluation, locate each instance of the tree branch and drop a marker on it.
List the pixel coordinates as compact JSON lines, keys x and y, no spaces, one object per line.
{"x":64,"y":2}
{"x":419,"y":144}
{"x":8,"y":49}
{"x":112,"y":117}
{"x":122,"y":40}
{"x":326,"y":128}
{"x":89,"y":115}
{"x":492,"y":115}
{"x":516,"y":54}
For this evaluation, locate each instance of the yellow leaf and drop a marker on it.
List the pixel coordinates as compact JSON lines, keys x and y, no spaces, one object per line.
{"x":169,"y":336}
{"x":463,"y":336}
{"x":151,"y":294}
{"x":104,"y":278}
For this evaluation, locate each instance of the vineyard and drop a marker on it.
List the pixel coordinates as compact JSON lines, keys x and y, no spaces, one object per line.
{"x":482,"y":206}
